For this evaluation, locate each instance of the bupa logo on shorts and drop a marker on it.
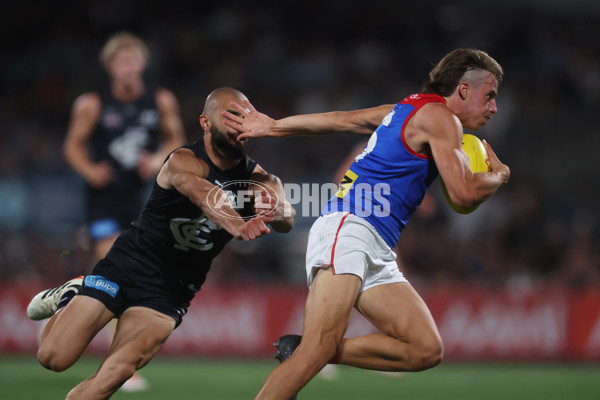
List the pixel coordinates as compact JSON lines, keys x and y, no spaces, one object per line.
{"x":100,"y":283}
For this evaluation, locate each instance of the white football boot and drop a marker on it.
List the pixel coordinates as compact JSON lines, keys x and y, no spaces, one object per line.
{"x":45,"y":303}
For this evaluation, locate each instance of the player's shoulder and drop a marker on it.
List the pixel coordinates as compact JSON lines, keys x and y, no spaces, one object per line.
{"x":89,"y":98}
{"x":436,"y":109}
{"x":185,"y":158}
{"x":433,"y":115}
{"x":182,"y":153}
{"x":89,"y":102}
{"x":165,"y":98}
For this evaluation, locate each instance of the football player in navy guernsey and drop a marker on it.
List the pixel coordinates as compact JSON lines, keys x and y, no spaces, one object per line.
{"x":156,"y":266}
{"x":117,"y":141}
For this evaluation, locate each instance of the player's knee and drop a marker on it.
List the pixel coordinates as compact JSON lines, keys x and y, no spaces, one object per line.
{"x":329,"y":350}
{"x":419,"y":355}
{"x":53,"y":360}
{"x":429,"y":355}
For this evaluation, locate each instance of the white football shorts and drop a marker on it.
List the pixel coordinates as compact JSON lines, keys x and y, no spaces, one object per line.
{"x":351,"y":246}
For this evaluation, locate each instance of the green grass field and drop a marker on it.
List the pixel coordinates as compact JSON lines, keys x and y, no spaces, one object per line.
{"x":182,"y":379}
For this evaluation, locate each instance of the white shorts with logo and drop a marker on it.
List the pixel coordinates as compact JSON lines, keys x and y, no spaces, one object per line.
{"x":351,"y":246}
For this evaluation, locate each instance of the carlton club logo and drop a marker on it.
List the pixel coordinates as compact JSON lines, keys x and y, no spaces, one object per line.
{"x":193,"y":233}
{"x":239,"y":195}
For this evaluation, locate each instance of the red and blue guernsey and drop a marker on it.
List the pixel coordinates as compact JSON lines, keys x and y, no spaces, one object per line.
{"x":386,"y":182}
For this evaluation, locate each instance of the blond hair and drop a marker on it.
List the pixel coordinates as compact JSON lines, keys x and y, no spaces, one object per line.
{"x":449,"y":72}
{"x":121,"y":40}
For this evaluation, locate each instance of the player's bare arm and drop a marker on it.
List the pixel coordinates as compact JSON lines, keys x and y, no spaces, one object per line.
{"x":253,"y":124}
{"x":443,"y":133}
{"x":85,"y":114}
{"x":271,"y":197}
{"x":172,"y":134}
{"x":187,"y":174}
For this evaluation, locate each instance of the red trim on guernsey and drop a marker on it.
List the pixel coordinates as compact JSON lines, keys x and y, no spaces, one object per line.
{"x":418,"y":100}
{"x":406,"y":146}
{"x":335,"y":241}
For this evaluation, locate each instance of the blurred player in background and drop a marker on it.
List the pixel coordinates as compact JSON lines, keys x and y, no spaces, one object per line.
{"x":350,"y":262}
{"x":117,"y":141}
{"x":158,"y":264}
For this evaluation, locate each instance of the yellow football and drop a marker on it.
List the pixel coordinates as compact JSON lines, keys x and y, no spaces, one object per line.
{"x":479,"y":162}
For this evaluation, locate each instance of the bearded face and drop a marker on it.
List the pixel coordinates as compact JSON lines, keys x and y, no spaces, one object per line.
{"x":227,"y":144}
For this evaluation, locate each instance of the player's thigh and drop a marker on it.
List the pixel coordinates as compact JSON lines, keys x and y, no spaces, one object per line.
{"x":329,"y":304}
{"x":75,"y":326}
{"x":140,"y":334}
{"x":398,"y":311}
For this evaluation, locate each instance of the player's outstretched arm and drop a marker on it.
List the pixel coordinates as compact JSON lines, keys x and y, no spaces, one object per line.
{"x":270,"y":196}
{"x":185,"y":173}
{"x":253,"y":124}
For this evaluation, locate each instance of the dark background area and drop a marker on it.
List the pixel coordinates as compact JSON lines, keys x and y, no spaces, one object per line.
{"x":540,"y":230}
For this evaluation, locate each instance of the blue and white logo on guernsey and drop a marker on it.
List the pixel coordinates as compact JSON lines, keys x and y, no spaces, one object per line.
{"x":100,"y":283}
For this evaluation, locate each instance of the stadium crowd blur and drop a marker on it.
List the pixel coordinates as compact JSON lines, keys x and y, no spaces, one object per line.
{"x":540,"y":230}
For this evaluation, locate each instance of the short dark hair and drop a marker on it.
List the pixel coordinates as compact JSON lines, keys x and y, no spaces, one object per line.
{"x":447,"y":74}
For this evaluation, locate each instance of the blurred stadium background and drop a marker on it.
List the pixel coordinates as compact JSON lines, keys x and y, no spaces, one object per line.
{"x":516,"y":281}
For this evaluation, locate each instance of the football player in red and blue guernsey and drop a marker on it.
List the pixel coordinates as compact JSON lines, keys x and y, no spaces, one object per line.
{"x":350,"y":261}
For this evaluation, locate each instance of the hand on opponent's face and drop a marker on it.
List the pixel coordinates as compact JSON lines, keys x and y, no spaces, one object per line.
{"x":249,"y":122}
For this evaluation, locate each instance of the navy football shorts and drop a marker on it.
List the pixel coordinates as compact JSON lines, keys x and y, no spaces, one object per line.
{"x":117,"y":291}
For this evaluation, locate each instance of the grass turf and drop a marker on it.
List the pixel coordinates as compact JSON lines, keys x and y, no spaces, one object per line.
{"x":223,"y":379}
